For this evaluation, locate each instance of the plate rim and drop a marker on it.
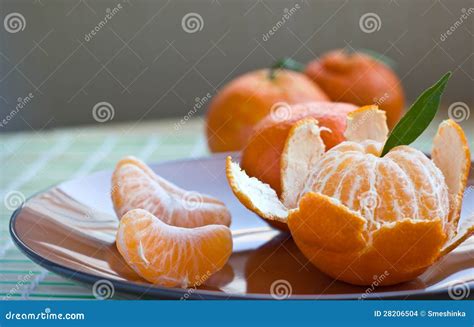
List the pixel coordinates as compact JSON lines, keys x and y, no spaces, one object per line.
{"x":156,"y":291}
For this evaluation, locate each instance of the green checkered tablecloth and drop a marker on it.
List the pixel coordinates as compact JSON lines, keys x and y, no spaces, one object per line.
{"x":33,"y":161}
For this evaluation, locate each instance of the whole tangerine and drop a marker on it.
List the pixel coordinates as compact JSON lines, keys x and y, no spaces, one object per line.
{"x":359,"y":79}
{"x":243,"y":102}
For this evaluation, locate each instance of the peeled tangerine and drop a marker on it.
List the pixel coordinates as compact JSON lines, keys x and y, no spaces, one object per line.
{"x":169,"y":236}
{"x":356,"y":215}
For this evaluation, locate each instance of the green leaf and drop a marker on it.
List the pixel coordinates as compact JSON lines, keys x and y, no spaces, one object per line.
{"x":288,"y":63}
{"x":418,"y":117}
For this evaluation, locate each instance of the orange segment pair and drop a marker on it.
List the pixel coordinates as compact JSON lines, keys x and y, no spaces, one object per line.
{"x":356,"y":215}
{"x":169,"y":236}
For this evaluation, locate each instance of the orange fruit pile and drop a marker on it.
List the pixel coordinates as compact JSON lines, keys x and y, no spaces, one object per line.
{"x":169,"y":236}
{"x":243,"y":102}
{"x":355,"y":214}
{"x":339,"y":76}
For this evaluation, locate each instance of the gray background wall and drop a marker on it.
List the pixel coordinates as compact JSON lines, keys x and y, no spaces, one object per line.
{"x":148,"y":67}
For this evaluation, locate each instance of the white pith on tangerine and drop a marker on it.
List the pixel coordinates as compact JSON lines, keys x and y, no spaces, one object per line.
{"x":402,"y":184}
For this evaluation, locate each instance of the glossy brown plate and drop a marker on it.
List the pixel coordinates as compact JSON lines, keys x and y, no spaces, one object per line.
{"x":70,"y":229}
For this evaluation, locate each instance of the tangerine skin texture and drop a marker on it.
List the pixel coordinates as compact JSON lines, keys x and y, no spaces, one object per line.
{"x":398,"y":252}
{"x":359,"y":79}
{"x":243,"y":102}
{"x":262,"y":155}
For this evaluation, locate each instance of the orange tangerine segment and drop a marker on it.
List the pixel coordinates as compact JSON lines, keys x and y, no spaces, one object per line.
{"x":255,"y":195}
{"x":172,"y":256}
{"x":451,"y":155}
{"x":303,"y":149}
{"x":402,"y":184}
{"x":136,"y":186}
{"x":366,"y":123}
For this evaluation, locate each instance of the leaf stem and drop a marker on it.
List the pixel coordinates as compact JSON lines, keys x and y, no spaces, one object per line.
{"x":286,"y":63}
